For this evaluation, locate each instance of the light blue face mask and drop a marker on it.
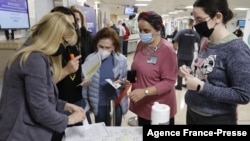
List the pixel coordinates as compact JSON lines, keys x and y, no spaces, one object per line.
{"x":146,"y":38}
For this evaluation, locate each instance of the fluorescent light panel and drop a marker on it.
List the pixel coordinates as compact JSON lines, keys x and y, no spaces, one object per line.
{"x":241,"y":9}
{"x":143,"y":0}
{"x":189,"y":7}
{"x":141,"y":4}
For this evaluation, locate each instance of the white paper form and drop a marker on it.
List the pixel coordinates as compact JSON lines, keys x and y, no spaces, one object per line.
{"x":115,"y":85}
{"x":80,"y":133}
{"x":117,"y":133}
{"x":125,"y":133}
{"x":90,"y":66}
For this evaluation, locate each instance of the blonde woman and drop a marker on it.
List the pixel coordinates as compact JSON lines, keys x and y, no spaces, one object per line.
{"x":29,"y":107}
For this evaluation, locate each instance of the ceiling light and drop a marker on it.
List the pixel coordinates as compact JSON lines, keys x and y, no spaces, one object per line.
{"x":141,"y":4}
{"x":143,"y":0}
{"x":189,"y":7}
{"x":173,"y":12}
{"x":241,"y":9}
{"x":165,"y":15}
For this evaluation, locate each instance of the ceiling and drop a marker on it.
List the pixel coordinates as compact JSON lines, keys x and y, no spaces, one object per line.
{"x":165,"y":6}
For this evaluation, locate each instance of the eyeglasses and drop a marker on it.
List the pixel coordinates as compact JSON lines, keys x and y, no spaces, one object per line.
{"x":200,"y":19}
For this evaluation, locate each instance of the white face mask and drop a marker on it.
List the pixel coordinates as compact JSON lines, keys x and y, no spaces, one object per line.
{"x":104,"y":53}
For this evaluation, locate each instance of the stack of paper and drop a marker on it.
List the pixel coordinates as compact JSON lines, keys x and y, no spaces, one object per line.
{"x":99,"y":132}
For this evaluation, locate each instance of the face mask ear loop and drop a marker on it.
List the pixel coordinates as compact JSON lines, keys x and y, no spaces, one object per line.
{"x":214,"y":24}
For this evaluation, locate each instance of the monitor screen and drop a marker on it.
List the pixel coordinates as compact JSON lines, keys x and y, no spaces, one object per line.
{"x":130,"y":10}
{"x":14,"y":14}
{"x":241,"y":23}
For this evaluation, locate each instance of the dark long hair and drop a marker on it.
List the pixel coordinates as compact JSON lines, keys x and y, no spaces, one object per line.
{"x":211,"y":7}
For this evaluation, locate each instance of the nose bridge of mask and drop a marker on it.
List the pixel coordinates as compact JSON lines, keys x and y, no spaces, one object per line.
{"x":103,"y":53}
{"x":146,"y":37}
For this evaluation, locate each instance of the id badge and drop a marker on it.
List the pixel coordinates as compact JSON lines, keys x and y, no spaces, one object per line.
{"x":152,"y":60}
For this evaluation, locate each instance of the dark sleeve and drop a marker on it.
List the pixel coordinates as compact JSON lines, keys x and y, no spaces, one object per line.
{"x":86,"y":44}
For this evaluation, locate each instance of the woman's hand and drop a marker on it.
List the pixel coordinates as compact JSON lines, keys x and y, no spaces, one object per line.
{"x":85,"y":82}
{"x":72,"y":108}
{"x":137,"y":95}
{"x":184,"y":71}
{"x":193,"y":82}
{"x":76,"y":117}
{"x":77,"y":113}
{"x":73,"y":65}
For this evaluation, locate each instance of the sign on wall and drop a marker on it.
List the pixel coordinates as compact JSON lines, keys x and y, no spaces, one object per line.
{"x":90,"y":15}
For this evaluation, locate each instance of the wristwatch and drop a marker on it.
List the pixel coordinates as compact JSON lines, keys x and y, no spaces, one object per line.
{"x":146,"y":91}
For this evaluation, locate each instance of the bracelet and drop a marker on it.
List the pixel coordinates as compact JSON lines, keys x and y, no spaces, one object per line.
{"x":198,"y":88}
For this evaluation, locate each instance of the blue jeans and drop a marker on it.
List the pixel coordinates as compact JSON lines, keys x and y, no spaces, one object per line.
{"x":103,"y":115}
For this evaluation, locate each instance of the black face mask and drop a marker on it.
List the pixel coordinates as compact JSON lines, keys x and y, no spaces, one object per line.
{"x":203,"y":29}
{"x":60,"y":50}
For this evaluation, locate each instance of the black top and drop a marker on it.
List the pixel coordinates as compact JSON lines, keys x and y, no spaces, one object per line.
{"x":68,"y":89}
{"x":86,"y":42}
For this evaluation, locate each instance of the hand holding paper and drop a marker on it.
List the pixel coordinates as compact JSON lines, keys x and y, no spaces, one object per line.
{"x":90,"y":66}
{"x":115,"y":84}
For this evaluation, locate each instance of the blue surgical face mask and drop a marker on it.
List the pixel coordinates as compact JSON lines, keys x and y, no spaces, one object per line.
{"x":146,"y":38}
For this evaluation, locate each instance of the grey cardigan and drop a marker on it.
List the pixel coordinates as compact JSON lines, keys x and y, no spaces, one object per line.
{"x":29,"y":107}
{"x":92,"y":91}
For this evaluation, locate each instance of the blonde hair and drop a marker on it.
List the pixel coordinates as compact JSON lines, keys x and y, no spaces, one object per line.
{"x":75,"y":9}
{"x":47,"y":35}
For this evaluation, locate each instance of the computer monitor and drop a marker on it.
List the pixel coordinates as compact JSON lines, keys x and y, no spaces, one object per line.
{"x":14,"y":14}
{"x":241,"y":23}
{"x":130,"y":10}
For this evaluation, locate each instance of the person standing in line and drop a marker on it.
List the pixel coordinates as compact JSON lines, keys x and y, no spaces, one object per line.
{"x":173,"y":34}
{"x":113,"y":26}
{"x":156,"y":72}
{"x":67,"y":86}
{"x":122,"y":33}
{"x":29,"y":107}
{"x":220,"y":78}
{"x":163,"y":32}
{"x":184,"y":43}
{"x":85,"y":39}
{"x":85,"y":42}
{"x":114,"y":67}
{"x":125,"y":41}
